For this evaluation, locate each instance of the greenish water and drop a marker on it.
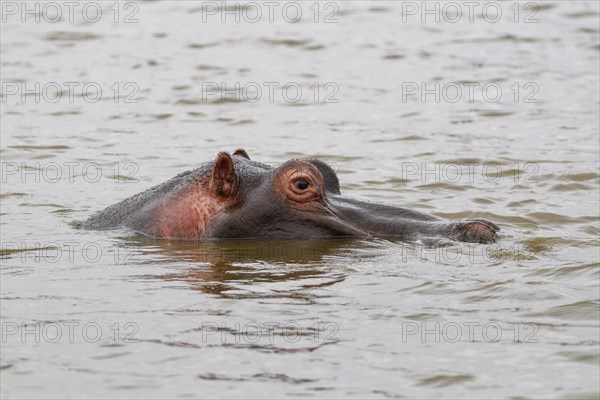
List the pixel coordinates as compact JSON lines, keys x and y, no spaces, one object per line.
{"x":111,"y":314}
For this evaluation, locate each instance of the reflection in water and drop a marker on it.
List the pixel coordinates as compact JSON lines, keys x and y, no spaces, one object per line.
{"x":224,"y":267}
{"x":280,"y":272}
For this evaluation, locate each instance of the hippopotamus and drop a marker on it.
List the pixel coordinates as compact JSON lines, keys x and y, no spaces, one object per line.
{"x":236,"y":197}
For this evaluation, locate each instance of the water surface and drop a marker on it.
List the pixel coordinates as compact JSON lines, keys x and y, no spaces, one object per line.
{"x":112,"y":314}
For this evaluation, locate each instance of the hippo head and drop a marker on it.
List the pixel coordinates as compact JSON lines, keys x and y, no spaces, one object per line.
{"x":292,"y":200}
{"x":235,"y":197}
{"x":302,"y":199}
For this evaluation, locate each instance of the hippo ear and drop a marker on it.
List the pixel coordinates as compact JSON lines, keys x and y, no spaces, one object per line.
{"x":224,"y":180}
{"x":241,"y":153}
{"x":332,"y":184}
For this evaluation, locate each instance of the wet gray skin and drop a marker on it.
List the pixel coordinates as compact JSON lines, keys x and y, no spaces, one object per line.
{"x":240,"y":198}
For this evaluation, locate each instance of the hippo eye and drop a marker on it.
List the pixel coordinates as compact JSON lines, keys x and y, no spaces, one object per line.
{"x":301,"y":184}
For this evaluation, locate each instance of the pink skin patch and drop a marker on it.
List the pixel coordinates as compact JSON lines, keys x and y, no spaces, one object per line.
{"x":187,"y":216}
